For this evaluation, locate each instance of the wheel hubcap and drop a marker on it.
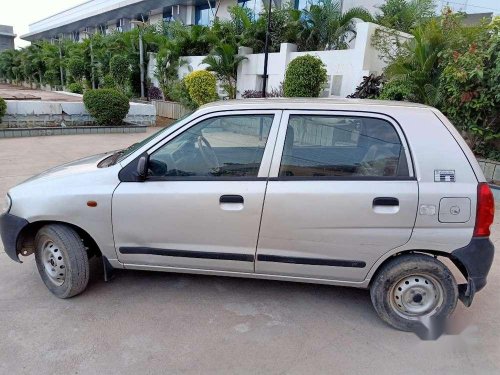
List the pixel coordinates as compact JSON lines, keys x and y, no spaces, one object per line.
{"x":54,"y":263}
{"x":416,"y":296}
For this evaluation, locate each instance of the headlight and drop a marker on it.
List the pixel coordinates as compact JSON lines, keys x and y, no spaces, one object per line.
{"x":5,"y":207}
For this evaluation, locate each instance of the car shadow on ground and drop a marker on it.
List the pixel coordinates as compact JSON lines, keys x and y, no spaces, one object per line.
{"x":289,"y":298}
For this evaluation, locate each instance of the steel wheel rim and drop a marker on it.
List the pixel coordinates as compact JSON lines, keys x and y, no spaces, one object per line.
{"x":54,"y":263}
{"x":415,"y":296}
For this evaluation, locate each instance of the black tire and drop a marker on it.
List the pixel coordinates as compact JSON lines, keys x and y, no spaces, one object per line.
{"x":404,"y":270}
{"x":70,"y":256}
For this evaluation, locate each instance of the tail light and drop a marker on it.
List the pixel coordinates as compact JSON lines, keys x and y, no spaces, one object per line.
{"x":485,"y":210}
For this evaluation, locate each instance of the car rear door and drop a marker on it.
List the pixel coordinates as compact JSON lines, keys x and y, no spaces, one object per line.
{"x":189,"y":215}
{"x":341,"y":193}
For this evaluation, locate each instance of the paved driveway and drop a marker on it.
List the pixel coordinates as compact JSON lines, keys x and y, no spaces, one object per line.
{"x":152,"y":323}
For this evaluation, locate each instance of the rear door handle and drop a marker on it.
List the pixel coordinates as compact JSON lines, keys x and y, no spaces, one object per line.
{"x":386,"y":201}
{"x":231,"y":199}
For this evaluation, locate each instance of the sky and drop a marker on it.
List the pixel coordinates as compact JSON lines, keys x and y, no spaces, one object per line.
{"x":20,"y":13}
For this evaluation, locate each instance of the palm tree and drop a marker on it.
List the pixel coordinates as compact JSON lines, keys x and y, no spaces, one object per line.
{"x":325,"y":27}
{"x":417,"y":66}
{"x":223,"y":61}
{"x":405,"y":15}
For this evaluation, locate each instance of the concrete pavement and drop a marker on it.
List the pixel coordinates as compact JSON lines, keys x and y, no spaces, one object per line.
{"x":157,"y":323}
{"x":13,"y":92}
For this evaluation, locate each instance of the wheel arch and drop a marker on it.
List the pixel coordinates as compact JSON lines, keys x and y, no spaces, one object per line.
{"x":25,"y":245}
{"x":433,"y":253}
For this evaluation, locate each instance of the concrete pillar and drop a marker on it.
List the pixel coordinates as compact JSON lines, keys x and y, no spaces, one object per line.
{"x":240,"y":81}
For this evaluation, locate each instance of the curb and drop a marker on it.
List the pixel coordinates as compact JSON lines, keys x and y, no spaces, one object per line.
{"x":70,"y":130}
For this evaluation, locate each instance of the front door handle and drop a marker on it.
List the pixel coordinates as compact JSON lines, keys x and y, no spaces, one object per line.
{"x":231,"y":199}
{"x":386,"y":201}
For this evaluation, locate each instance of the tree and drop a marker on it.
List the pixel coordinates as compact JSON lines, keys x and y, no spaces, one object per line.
{"x":405,"y":15}
{"x":325,"y":27}
{"x":417,"y":64}
{"x":223,"y":61}
{"x":119,"y":69}
{"x":76,"y":68}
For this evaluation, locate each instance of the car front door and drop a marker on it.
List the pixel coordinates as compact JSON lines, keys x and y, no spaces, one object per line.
{"x":341,"y":193}
{"x":200,"y":206}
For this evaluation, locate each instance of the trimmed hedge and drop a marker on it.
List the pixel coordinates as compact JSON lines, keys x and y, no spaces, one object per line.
{"x":3,"y":108}
{"x":76,"y":68}
{"x":119,"y":68}
{"x":75,"y":88}
{"x":108,"y":82}
{"x":202,"y":86}
{"x":305,"y":77}
{"x":106,"y":106}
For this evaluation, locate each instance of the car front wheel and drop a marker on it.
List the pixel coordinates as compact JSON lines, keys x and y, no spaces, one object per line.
{"x":413,"y":287}
{"x":62,"y":260}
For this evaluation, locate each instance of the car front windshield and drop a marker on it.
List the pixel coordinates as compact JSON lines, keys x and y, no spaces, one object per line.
{"x":132,"y":148}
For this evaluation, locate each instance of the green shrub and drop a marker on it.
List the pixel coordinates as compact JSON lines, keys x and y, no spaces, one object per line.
{"x":106,"y":106}
{"x":75,"y":88}
{"x":397,"y":90}
{"x":305,"y":77}
{"x":202,"y":86}
{"x":470,"y":90}
{"x":3,"y":108}
{"x":178,"y":92}
{"x":119,"y":68}
{"x":108,"y":82}
{"x":76,"y":67}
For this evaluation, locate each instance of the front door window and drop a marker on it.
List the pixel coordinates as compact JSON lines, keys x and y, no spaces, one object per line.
{"x":218,"y":147}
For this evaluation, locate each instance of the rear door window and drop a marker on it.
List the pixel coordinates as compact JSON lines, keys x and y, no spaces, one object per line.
{"x":342,"y":146}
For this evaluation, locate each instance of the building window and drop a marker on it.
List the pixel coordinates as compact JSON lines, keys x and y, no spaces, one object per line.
{"x":203,"y":14}
{"x":119,"y":25}
{"x":142,"y":17}
{"x":76,"y":36}
{"x":254,"y":5}
{"x":167,"y":14}
{"x":305,"y":4}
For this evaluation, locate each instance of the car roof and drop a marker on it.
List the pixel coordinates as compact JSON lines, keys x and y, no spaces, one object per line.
{"x":309,"y":103}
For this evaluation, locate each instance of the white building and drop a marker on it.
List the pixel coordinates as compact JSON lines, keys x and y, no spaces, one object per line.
{"x":106,"y":16}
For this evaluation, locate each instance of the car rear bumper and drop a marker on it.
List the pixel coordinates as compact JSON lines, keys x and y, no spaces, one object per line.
{"x":474,"y":260}
{"x":10,"y":228}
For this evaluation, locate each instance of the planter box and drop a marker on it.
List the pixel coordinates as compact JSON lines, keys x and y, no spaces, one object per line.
{"x":31,"y":114}
{"x":69,"y":130}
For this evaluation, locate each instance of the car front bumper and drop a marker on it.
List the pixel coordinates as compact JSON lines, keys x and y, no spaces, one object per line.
{"x":474,"y":261}
{"x":10,"y":228}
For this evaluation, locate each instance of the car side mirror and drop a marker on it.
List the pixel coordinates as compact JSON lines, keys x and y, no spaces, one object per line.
{"x":142,"y":168}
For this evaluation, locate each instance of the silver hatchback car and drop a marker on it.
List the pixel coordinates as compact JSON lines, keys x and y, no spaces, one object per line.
{"x":364,"y":194}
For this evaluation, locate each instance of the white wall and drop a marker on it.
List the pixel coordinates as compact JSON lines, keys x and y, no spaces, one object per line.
{"x":345,"y":68}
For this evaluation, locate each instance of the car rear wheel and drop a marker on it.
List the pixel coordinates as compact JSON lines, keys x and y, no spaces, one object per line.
{"x":412,"y":287}
{"x":62,"y":260}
